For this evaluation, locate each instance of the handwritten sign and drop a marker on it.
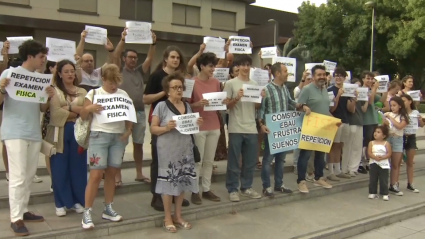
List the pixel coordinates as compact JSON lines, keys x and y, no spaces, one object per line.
{"x":215,"y":45}
{"x":260,"y":76}
{"x":291,"y":65}
{"x":138,"y":32}
{"x":186,"y":124}
{"x":15,"y":42}
{"x":329,"y":65}
{"x":221,"y":74}
{"x":28,"y":86}
{"x":285,"y":130}
{"x":331,"y":98}
{"x":251,"y":93}
{"x":215,"y":101}
{"x":349,"y":90}
{"x":318,"y":132}
{"x":415,"y":94}
{"x":188,"y":83}
{"x":96,"y":35}
{"x":412,"y":125}
{"x":116,"y":107}
{"x":309,"y":66}
{"x":362,"y":94}
{"x":383,"y":83}
{"x":240,"y":45}
{"x":268,"y":52}
{"x":60,"y":49}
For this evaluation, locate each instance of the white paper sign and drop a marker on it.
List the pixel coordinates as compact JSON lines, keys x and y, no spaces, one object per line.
{"x":309,"y":66}
{"x":15,"y":42}
{"x":383,"y":83}
{"x":138,"y":32}
{"x":415,"y":94}
{"x":1,"y":48}
{"x":362,"y":94}
{"x":116,"y":107}
{"x":188,"y":83}
{"x":96,"y":35}
{"x":413,"y":124}
{"x":268,"y":52}
{"x":28,"y":86}
{"x":260,"y":76}
{"x":331,"y":98}
{"x":251,"y":93}
{"x":60,"y":49}
{"x":186,"y":124}
{"x":349,"y":90}
{"x":384,"y":164}
{"x":215,"y":100}
{"x":329,"y":65}
{"x":221,"y":74}
{"x":240,"y":45}
{"x":291,"y":65}
{"x":216,"y":46}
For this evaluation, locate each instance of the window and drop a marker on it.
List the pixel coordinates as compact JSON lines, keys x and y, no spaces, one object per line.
{"x":223,"y":20}
{"x":139,"y":10}
{"x":78,"y":6}
{"x":15,"y":2}
{"x":186,"y":15}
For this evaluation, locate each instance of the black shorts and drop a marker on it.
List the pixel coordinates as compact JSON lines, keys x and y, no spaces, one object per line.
{"x":409,"y":142}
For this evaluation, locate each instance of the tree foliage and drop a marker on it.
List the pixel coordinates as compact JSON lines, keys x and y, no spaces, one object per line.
{"x":341,"y":31}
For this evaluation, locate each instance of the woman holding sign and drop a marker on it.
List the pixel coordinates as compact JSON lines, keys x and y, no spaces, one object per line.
{"x":176,"y":171}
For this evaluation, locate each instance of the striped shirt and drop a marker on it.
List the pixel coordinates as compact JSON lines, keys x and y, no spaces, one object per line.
{"x":277,"y":100}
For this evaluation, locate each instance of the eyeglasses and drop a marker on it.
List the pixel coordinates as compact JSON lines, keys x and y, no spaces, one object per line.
{"x":177,"y":88}
{"x":133,"y":57}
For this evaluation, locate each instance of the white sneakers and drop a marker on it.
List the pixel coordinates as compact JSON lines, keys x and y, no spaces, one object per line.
{"x":374,"y":196}
{"x":61,"y":211}
{"x":36,"y":179}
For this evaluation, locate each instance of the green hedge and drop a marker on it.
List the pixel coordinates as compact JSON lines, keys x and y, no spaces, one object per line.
{"x":421,"y":108}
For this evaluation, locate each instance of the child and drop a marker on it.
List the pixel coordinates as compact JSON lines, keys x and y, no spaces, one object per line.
{"x":379,"y":151}
{"x":410,"y":138}
{"x":396,"y":120}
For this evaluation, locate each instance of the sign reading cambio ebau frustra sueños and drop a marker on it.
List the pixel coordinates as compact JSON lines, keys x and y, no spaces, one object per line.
{"x":116,"y":107}
{"x":28,"y":86}
{"x":285,"y":130}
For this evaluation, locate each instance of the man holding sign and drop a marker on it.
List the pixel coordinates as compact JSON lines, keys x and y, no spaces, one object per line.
{"x":21,"y":131}
{"x":277,"y":99}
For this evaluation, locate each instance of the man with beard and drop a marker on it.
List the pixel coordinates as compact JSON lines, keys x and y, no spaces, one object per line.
{"x":315,"y":96}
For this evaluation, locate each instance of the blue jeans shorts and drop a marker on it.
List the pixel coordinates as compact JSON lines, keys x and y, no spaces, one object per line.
{"x":396,"y":143}
{"x":105,"y":150}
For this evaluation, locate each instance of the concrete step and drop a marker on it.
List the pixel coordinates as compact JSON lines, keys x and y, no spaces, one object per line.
{"x":139,"y":215}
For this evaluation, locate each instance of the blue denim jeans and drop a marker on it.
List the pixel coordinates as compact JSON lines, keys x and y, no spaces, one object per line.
{"x":266,"y":168}
{"x":247,"y":146}
{"x":319,"y":164}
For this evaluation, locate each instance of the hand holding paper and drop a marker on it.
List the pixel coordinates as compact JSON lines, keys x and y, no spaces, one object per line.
{"x":200,"y":121}
{"x":171,"y":125}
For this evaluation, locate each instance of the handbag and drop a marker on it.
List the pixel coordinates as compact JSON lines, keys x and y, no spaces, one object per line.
{"x":82,"y":129}
{"x":172,"y":108}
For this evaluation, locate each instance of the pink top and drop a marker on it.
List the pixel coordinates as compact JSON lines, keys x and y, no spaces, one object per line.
{"x":211,"y":121}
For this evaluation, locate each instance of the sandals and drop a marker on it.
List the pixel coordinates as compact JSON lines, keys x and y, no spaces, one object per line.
{"x":183,"y":225}
{"x":143,"y":180}
{"x":118,"y":184}
{"x":169,"y":228}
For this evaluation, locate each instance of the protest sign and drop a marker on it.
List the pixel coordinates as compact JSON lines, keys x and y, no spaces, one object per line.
{"x":415,"y":94}
{"x":251,"y":93}
{"x":331,"y":98}
{"x":240,"y":45}
{"x":186,"y":124}
{"x":116,"y":107}
{"x":329,"y":65}
{"x":362,"y":94}
{"x":138,"y":32}
{"x":215,"y":101}
{"x":188,"y":83}
{"x":96,"y":35}
{"x":349,"y":90}
{"x":318,"y":132}
{"x":221,"y":74}
{"x":259,"y":75}
{"x":215,"y":45}
{"x":413,"y":124}
{"x":285,"y":130}
{"x":15,"y":42}
{"x":268,"y":52}
{"x":309,"y":66}
{"x":383,"y":83}
{"x":60,"y":49}
{"x":28,"y":86}
{"x":291,"y":65}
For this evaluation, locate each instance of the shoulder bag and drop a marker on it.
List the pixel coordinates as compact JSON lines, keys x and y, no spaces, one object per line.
{"x":82,"y":128}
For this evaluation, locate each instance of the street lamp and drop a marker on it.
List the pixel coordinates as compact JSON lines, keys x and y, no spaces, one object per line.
{"x":372,"y":5}
{"x":275,"y":30}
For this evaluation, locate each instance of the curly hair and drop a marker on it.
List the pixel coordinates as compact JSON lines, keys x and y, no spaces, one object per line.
{"x":111,"y":72}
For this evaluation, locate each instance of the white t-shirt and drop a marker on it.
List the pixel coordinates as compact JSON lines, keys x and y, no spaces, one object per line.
{"x":113,"y":127}
{"x":393,"y":129}
{"x":297,"y":92}
{"x":94,"y":79}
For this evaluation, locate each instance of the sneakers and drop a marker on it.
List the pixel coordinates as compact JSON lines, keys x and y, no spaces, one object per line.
{"x":332,"y":177}
{"x":250,"y":193}
{"x":234,"y":197}
{"x":31,"y":217}
{"x":302,"y":187}
{"x":36,"y":179}
{"x":310,"y":178}
{"x":394,"y":189}
{"x":362,"y":170}
{"x":268,"y":192}
{"x":51,"y":188}
{"x":19,"y":228}
{"x":411,"y":188}
{"x":60,"y":212}
{"x":87,"y":222}
{"x":373,"y":196}
{"x":110,"y":214}
{"x":283,"y":189}
{"x":343,"y":175}
{"x":196,"y":199}
{"x":78,"y":208}
{"x":322,"y":183}
{"x":386,"y":198}
{"x":211,"y":196}
{"x":352,"y":174}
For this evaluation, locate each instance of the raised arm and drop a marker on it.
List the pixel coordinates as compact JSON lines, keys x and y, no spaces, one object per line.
{"x":81,"y":44}
{"x":151,"y":54}
{"x":192,"y":60}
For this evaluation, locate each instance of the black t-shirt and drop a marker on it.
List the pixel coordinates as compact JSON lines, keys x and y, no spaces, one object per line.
{"x":154,"y":86}
{"x":341,"y":111}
